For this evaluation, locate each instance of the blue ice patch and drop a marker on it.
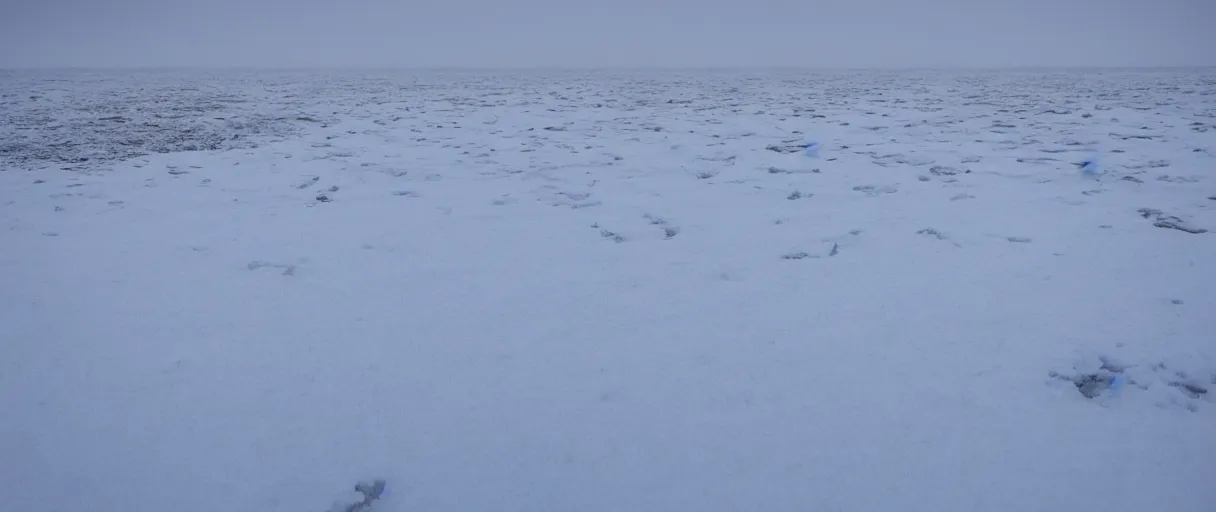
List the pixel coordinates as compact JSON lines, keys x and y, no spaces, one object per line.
{"x":812,"y":148}
{"x":1089,"y":166}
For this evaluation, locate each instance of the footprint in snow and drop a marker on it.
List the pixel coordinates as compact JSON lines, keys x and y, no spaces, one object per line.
{"x":1162,"y":220}
{"x":287,"y":270}
{"x":802,"y":255}
{"x":612,"y":236}
{"x":942,"y":170}
{"x":874,"y":190}
{"x":847,"y":239}
{"x":669,"y":231}
{"x":930,"y":232}
{"x":615,"y":237}
{"x":778,"y":170}
{"x":576,"y":196}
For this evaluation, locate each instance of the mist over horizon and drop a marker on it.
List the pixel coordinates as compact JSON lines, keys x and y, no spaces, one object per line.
{"x":629,"y":34}
{"x":597,"y":69}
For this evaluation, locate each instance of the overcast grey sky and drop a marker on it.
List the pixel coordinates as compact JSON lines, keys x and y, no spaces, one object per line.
{"x":606,"y":33}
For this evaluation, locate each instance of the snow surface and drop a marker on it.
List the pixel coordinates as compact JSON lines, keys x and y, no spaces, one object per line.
{"x":601,"y":291}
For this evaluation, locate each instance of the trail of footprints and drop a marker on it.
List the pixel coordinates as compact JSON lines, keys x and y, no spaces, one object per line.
{"x":1096,"y":380}
{"x":668,"y":230}
{"x":1092,"y":378}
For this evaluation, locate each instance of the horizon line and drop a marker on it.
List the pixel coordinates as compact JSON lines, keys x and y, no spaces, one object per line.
{"x":158,"y":67}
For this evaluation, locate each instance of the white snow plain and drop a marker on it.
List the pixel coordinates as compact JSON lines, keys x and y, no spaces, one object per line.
{"x":598,"y":291}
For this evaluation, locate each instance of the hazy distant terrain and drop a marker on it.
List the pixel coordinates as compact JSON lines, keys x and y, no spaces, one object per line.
{"x":245,"y":291}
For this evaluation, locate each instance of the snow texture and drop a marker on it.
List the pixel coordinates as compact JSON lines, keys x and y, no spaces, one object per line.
{"x":595,"y":291}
